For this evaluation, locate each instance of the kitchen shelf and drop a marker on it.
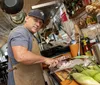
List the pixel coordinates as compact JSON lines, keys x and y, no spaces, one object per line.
{"x":78,"y":12}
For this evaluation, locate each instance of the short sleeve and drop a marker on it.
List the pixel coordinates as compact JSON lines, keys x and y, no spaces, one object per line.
{"x":19,"y":39}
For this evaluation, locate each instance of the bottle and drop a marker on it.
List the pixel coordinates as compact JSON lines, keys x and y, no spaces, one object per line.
{"x":87,"y":39}
{"x":86,"y":49}
{"x":84,"y":39}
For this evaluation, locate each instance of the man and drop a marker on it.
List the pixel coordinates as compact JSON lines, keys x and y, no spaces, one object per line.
{"x":23,"y":66}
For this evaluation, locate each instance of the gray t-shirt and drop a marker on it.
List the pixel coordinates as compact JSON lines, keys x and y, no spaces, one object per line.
{"x":19,"y":36}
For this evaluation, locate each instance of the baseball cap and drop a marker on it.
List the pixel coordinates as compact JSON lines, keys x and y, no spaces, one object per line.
{"x":37,"y":13}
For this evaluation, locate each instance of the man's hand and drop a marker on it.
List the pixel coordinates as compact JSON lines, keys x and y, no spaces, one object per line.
{"x":51,"y":62}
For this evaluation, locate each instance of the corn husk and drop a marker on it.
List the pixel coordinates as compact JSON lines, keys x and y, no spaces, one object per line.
{"x":84,"y":80}
{"x":90,"y":72}
{"x":97,"y":77}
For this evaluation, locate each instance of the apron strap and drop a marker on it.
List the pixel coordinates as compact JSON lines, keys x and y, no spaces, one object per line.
{"x":13,"y":68}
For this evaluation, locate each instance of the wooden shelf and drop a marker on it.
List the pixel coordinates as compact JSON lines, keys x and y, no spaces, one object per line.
{"x":77,"y":13}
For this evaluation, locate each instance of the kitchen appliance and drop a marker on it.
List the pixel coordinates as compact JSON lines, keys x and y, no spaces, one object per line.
{"x":96,"y":51}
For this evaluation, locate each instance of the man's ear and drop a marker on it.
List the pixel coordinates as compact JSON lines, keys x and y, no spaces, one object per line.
{"x":26,"y":18}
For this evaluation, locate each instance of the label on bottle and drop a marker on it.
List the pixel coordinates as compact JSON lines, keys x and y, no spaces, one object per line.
{"x":64,"y":17}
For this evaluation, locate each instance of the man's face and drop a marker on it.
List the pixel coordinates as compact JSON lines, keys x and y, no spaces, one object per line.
{"x":34,"y":24}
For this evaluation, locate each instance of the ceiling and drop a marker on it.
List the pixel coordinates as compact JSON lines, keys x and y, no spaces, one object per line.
{"x":6,"y":25}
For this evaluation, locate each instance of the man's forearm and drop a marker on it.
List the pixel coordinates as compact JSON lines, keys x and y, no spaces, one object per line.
{"x":31,"y":58}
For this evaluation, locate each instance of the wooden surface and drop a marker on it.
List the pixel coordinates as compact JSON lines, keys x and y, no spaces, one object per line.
{"x":69,"y":82}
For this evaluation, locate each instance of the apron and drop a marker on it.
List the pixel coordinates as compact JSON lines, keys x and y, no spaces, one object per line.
{"x":29,"y":74}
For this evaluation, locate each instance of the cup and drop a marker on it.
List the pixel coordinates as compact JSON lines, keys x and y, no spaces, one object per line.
{"x":74,"y":49}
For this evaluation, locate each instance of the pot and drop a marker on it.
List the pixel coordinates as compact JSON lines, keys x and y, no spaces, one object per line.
{"x":12,"y":6}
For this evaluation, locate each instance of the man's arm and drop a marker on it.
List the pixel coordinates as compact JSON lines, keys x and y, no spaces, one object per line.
{"x":22,"y":55}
